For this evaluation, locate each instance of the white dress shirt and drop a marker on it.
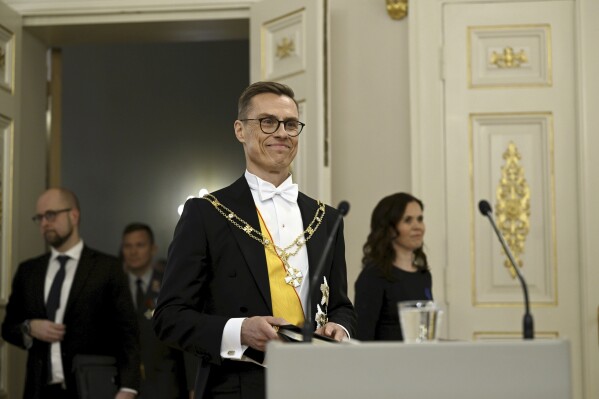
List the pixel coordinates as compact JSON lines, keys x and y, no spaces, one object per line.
{"x":70,"y":268}
{"x":284,"y":222}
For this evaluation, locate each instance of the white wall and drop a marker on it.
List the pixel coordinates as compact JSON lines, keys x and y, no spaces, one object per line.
{"x":370,"y":115}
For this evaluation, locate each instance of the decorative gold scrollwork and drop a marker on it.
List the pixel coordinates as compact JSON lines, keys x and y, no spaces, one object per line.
{"x":509,"y":59}
{"x":285,"y":48}
{"x":513,"y":205}
{"x":397,"y":9}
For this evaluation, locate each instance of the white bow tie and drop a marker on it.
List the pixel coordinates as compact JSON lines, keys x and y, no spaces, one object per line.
{"x":287,"y":191}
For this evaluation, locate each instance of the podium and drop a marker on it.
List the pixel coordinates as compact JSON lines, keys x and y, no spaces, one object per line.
{"x":377,"y":370}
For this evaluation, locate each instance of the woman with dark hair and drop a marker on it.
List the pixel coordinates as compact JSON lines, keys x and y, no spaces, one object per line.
{"x":395,"y":267}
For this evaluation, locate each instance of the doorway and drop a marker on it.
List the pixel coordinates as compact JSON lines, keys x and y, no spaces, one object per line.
{"x":145,"y":119}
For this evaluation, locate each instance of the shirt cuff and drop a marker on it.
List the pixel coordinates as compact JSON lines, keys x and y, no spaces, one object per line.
{"x":230,"y":346}
{"x":27,"y":341}
{"x":344,"y":329}
{"x":128,"y":390}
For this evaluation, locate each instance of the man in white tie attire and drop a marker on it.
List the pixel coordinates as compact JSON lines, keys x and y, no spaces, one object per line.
{"x":240,"y":261}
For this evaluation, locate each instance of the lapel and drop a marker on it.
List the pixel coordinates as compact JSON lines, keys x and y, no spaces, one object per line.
{"x":238,"y":198}
{"x":38,"y":281}
{"x":316,"y":244}
{"x":84,"y":267}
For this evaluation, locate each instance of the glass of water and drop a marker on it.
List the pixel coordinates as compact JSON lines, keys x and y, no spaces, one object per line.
{"x":420,"y":321}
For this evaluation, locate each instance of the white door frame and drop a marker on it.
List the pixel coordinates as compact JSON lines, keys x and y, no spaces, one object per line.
{"x":428,"y":160}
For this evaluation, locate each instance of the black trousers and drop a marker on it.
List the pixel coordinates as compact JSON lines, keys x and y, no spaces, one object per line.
{"x":236,"y":380}
{"x":54,"y":391}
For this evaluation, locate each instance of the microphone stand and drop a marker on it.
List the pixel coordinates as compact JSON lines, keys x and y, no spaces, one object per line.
{"x":527,"y":323}
{"x":307,"y":328}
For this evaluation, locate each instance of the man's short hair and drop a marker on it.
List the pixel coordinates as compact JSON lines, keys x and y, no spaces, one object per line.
{"x":244,"y":104}
{"x":131,"y":227}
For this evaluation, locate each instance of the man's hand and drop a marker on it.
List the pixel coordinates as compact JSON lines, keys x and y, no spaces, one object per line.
{"x":333,"y":330}
{"x":258,"y":330}
{"x":46,"y":330}
{"x":125,"y":395}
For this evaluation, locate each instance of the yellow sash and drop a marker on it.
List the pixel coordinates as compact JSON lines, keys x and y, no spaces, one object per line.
{"x":285,"y":300}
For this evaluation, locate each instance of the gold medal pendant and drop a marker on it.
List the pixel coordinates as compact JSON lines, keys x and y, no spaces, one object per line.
{"x":294,"y":276}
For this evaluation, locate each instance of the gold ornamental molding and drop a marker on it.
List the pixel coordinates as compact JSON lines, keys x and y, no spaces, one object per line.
{"x":285,"y":48}
{"x":506,"y":56}
{"x":513,"y":205}
{"x":508,"y":59}
{"x":397,"y":9}
{"x":547,"y":296}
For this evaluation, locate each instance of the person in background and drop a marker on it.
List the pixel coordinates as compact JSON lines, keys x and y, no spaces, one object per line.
{"x":72,"y":300}
{"x":395,"y":267}
{"x":242,"y":257}
{"x":163,"y":369}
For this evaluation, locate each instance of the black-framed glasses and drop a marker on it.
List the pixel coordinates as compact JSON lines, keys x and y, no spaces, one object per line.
{"x":50,"y":216}
{"x":269,"y":125}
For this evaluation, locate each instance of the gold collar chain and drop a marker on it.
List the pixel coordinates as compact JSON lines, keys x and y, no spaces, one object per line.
{"x":294,"y":276}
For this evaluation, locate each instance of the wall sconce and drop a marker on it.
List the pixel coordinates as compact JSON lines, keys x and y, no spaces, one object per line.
{"x":397,"y":9}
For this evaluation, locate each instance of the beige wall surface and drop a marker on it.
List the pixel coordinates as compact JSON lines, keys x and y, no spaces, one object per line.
{"x":370,"y":137}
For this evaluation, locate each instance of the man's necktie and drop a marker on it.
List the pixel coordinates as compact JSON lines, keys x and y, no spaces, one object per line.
{"x":139,"y":298}
{"x":53,"y":302}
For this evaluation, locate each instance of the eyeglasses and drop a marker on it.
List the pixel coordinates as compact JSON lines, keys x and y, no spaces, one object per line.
{"x":269,"y":125}
{"x":50,"y":216}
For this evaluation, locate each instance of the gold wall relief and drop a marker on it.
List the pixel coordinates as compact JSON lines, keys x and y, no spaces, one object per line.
{"x":285,"y":48}
{"x":502,"y":56}
{"x":509,"y":58}
{"x":397,"y":9}
{"x":513,"y":205}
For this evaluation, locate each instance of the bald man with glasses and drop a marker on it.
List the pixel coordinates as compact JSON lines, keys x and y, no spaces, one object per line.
{"x":70,"y":301}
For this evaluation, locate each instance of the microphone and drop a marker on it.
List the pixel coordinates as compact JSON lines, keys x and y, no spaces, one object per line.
{"x":527,"y":324}
{"x":343,"y":209}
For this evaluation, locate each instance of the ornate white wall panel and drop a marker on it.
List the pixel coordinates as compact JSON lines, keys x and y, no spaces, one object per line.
{"x":532,"y":135}
{"x":504,"y":56}
{"x":7,"y":59}
{"x":283,"y":46}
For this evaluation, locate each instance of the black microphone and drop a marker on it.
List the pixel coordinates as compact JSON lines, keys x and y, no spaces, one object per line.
{"x":528,"y":325}
{"x":307,"y":328}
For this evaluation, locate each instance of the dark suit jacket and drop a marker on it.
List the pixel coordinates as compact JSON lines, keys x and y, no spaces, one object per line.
{"x":215,"y":272}
{"x":99,"y":318}
{"x":164,"y":367}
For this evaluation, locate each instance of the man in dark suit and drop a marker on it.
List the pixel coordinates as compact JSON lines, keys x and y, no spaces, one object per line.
{"x":72,"y":300}
{"x":163,"y":368}
{"x":241,"y":258}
